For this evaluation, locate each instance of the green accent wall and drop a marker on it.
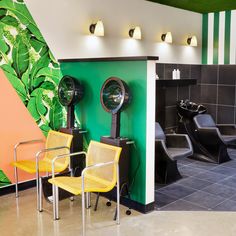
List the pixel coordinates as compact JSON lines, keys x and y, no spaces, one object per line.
{"x":133,"y":120}
{"x":227,"y":36}
{"x":216,"y":38}
{"x":204,"y":38}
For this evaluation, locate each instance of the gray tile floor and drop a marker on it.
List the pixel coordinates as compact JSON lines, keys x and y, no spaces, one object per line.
{"x":204,"y":186}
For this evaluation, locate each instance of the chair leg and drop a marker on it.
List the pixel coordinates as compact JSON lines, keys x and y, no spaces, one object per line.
{"x":96,"y":203}
{"x":16,"y":181}
{"x":55,"y":202}
{"x":88,"y":200}
{"x":83,"y":214}
{"x":40,"y":196}
{"x":118,"y":196}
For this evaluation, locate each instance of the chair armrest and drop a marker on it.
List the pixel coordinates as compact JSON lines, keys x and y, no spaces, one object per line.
{"x":161,"y":146}
{"x":25,"y":143}
{"x":178,"y":141}
{"x":99,"y":165}
{"x":63,"y":156}
{"x":227,"y":129}
{"x":210,"y":135}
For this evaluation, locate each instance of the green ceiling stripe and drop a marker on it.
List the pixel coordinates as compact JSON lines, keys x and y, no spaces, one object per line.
{"x":204,"y":38}
{"x":227,"y":36}
{"x":216,"y":37}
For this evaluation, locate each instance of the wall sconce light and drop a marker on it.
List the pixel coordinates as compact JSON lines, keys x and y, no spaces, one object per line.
{"x":97,"y":28}
{"x":167,"y":37}
{"x":192,"y":41}
{"x":135,"y":33}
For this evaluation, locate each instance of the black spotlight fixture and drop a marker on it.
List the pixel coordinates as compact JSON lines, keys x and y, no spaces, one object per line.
{"x":70,"y":92}
{"x":114,"y":97}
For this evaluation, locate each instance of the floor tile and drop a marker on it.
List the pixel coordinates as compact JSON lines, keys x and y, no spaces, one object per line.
{"x":220,"y":190}
{"x":190,"y":171}
{"x":182,"y":205}
{"x":194,"y":183}
{"x":177,"y":191}
{"x":203,"y":165}
{"x":231,"y":164}
{"x":227,"y":205}
{"x":230,"y":182}
{"x":163,"y":199}
{"x":204,"y":199}
{"x":211,"y":176}
{"x":224,"y":170}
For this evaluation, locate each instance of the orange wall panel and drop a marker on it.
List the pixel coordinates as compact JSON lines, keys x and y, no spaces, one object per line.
{"x":16,"y":124}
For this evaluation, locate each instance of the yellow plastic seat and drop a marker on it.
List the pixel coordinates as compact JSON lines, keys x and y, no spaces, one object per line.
{"x":57,"y":143}
{"x":100,"y":175}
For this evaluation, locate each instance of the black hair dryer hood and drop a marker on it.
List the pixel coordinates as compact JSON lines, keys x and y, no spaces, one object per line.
{"x":115,"y":97}
{"x":70,"y":92}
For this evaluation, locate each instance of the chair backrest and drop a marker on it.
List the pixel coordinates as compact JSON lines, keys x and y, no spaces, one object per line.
{"x":204,"y":121}
{"x":58,"y":139}
{"x":101,"y":153}
{"x":159,"y":133}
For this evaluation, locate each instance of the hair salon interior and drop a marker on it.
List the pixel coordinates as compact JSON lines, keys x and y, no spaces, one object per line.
{"x":117,"y":117}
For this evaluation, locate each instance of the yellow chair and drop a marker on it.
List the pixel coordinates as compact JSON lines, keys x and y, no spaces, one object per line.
{"x":100,"y":175}
{"x":57,"y":143}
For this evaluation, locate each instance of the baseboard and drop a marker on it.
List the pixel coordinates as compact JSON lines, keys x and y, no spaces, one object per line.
{"x":21,"y":186}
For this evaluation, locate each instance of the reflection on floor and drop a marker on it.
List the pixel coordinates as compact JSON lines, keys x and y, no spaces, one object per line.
{"x":20,"y":218}
{"x":204,"y":186}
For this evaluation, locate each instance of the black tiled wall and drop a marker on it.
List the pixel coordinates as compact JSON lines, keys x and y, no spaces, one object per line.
{"x":218,"y":92}
{"x":215,"y":89}
{"x":174,"y":94}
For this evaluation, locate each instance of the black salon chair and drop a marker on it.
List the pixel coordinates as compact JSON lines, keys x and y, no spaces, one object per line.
{"x":215,"y":138}
{"x":168,"y":149}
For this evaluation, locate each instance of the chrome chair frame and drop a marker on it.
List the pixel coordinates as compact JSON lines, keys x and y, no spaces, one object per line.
{"x":55,"y":188}
{"x":38,"y":179}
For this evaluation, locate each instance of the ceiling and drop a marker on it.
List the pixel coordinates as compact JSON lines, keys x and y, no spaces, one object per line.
{"x":201,"y":6}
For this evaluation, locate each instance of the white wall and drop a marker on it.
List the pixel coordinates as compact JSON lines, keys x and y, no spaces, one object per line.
{"x":65,"y":23}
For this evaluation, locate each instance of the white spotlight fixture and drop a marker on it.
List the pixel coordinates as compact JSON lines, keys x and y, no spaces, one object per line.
{"x":167,"y":37}
{"x":135,"y":33}
{"x":192,"y":41}
{"x":97,"y":28}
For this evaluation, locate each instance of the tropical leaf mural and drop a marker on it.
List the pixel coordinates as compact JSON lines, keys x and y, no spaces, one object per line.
{"x":29,"y":65}
{"x":3,"y":179}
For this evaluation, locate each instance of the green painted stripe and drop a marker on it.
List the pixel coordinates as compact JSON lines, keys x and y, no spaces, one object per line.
{"x":227,"y":36}
{"x":204,"y":38}
{"x":216,"y":37}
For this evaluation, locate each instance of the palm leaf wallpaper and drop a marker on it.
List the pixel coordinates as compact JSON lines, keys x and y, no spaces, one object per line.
{"x":30,"y":67}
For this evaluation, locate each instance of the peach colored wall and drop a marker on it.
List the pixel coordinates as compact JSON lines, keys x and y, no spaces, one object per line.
{"x":16,"y":124}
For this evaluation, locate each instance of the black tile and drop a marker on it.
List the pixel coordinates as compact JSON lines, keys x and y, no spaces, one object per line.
{"x":171,"y":96}
{"x":211,"y":109}
{"x":160,"y":70}
{"x":231,"y":164}
{"x":184,"y":71}
{"x":171,"y":117}
{"x":183,"y":93}
{"x":227,"y":74}
{"x":194,"y":183}
{"x":220,"y":190}
{"x":230,"y":182}
{"x":168,"y":70}
{"x":196,"y":72}
{"x":182,"y":205}
{"x":224,"y":170}
{"x":225,"y":115}
{"x":176,"y":190}
{"x":203,"y":165}
{"x":208,"y":93}
{"x":190,"y":171}
{"x":227,"y":205}
{"x":195,"y":91}
{"x":209,"y":74}
{"x":226,"y":95}
{"x":211,"y":176}
{"x":163,"y":199}
{"x":204,"y":199}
